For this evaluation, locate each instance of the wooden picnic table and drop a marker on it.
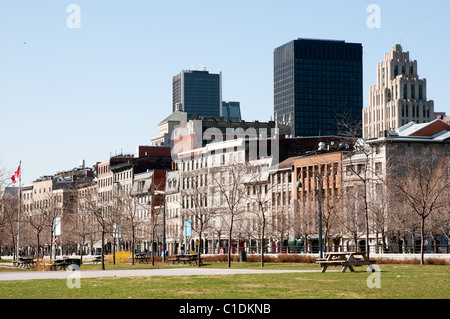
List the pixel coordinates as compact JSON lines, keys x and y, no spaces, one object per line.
{"x":62,"y":264}
{"x":97,"y":259}
{"x":25,"y":262}
{"x":185,"y":258}
{"x":143,"y":258}
{"x":59,"y":263}
{"x":348,"y":259}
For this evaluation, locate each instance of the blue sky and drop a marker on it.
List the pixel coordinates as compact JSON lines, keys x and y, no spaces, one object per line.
{"x":83,"y":93}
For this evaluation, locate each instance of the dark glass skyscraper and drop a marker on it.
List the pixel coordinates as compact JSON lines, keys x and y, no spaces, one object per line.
{"x":197,"y":92}
{"x":316,"y":84}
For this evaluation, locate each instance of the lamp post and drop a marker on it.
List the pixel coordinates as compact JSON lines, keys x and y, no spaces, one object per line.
{"x":319,"y":201}
{"x":164,"y":224}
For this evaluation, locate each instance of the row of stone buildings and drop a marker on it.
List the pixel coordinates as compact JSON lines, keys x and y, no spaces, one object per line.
{"x":241,"y":183}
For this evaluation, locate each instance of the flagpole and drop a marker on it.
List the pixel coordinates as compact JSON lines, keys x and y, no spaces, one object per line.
{"x":18,"y":210}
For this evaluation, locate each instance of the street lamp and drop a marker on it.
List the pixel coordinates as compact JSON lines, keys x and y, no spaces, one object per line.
{"x":164,"y":223}
{"x":319,"y":201}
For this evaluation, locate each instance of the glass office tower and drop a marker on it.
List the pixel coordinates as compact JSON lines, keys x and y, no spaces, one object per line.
{"x":197,"y":92}
{"x":317,"y":84}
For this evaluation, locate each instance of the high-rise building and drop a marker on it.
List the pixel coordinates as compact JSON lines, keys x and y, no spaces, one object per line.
{"x":197,"y":92}
{"x":317,"y":84}
{"x":231,"y":110}
{"x":398,"y":97}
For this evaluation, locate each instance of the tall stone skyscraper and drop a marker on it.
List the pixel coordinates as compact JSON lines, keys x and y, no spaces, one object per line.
{"x":398,"y":97}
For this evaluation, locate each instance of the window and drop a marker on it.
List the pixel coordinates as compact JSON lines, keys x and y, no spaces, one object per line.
{"x":348,"y":170}
{"x":335,"y":168}
{"x":361,"y":168}
{"x":378,"y":168}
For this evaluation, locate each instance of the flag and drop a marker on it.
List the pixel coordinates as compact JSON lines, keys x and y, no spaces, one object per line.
{"x":16,"y":175}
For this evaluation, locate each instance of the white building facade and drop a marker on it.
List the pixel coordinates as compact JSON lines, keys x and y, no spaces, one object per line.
{"x":398,"y":97}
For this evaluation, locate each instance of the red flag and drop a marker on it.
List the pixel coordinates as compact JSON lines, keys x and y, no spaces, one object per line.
{"x":16,"y":175}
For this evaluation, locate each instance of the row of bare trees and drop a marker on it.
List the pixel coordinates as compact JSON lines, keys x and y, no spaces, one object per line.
{"x":85,"y":218}
{"x":408,"y":196}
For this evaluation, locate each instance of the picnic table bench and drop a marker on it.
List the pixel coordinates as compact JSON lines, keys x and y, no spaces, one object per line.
{"x":62,"y":264}
{"x":142,"y":258}
{"x":59,"y":263}
{"x":25,"y":262}
{"x":348,"y":259}
{"x":191,"y":259}
{"x":97,"y":259}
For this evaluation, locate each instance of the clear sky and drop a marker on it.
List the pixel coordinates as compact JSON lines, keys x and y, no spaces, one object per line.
{"x":68,"y":94}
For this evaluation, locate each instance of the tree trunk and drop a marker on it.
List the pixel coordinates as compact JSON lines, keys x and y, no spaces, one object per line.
{"x":262,"y":247}
{"x":422,"y":240}
{"x":103,"y":250}
{"x":229,"y":243}
{"x":133,"y":247}
{"x":199,"y":259}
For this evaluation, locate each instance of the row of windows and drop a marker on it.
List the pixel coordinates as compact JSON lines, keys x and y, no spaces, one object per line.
{"x":415,"y":111}
{"x":41,"y":190}
{"x":103,"y":169}
{"x":328,"y":62}
{"x":350,"y":68}
{"x":359,"y":169}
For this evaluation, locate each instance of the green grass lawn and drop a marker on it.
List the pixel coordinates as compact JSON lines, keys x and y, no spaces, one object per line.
{"x":397,"y":282}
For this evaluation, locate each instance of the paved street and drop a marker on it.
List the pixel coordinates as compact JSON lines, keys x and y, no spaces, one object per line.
{"x":28,"y":275}
{"x":192,"y":271}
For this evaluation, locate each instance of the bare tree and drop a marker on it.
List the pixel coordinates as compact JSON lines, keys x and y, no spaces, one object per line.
{"x":38,"y":221}
{"x":155,"y":221}
{"x":8,"y":220}
{"x":135,"y":208}
{"x":229,"y":181}
{"x":305,"y":221}
{"x":84,"y":226}
{"x":360,"y":163}
{"x":196,"y":205}
{"x":420,"y":181}
{"x":99,"y":209}
{"x":258,"y":198}
{"x":49,"y":206}
{"x":381,"y":201}
{"x":352,"y":220}
{"x":331,"y":216}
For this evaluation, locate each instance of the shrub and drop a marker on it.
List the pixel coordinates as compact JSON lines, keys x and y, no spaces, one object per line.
{"x":122,"y":256}
{"x":282,"y":258}
{"x":296,"y":258}
{"x":413,"y":261}
{"x":42,"y":264}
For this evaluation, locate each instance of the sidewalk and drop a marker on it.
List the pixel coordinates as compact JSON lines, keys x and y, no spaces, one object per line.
{"x":30,"y":275}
